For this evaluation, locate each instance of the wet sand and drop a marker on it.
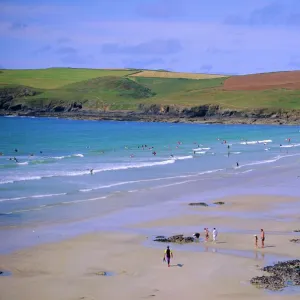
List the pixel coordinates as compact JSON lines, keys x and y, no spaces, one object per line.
{"x":68,"y":269}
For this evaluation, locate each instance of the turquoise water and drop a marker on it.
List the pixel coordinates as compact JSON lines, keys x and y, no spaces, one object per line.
{"x":51,"y":176}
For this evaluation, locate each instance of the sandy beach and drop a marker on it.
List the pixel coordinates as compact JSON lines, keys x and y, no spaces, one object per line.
{"x":72,"y":269}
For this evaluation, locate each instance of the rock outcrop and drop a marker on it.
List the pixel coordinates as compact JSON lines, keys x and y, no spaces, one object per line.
{"x":283,"y":274}
{"x":179,"y":239}
{"x":198,"y":204}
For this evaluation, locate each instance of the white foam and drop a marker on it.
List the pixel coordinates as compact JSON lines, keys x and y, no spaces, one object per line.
{"x":22,"y":179}
{"x":260,"y":162}
{"x":85,"y":200}
{"x":78,"y":155}
{"x":256,"y":142}
{"x":200,"y":152}
{"x":61,"y":157}
{"x":32,"y":196}
{"x":200,"y":149}
{"x":235,"y":152}
{"x":290,"y":146}
{"x":149,"y":180}
{"x":183,"y":157}
{"x":23,"y":163}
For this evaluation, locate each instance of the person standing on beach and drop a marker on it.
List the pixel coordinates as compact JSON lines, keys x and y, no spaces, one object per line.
{"x":215,"y":234}
{"x":262,"y":236}
{"x":168,"y":255}
{"x":206,"y":234}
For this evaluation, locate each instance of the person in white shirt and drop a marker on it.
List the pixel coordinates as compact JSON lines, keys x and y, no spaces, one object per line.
{"x":215,"y":234}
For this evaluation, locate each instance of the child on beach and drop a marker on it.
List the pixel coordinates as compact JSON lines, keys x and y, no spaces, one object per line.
{"x":206,"y":234}
{"x":168,"y":255}
{"x":255,"y":240}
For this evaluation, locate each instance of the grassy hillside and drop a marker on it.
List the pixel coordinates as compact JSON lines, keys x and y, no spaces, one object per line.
{"x":55,"y":77}
{"x":166,"y":74}
{"x":126,"y":89}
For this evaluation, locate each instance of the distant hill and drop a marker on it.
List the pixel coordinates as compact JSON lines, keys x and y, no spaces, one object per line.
{"x":57,"y":89}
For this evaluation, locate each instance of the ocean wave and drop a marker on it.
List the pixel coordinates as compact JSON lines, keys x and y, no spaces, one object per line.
{"x":187,"y":181}
{"x":290,"y":146}
{"x":200,"y":152}
{"x":149,"y":180}
{"x":183,"y":157}
{"x":260,"y":162}
{"x":54,"y":205}
{"x":68,"y":156}
{"x":256,"y":142}
{"x":21,"y":179}
{"x":23,"y":163}
{"x":235,"y":152}
{"x":87,"y":172}
{"x":200,"y":149}
{"x":32,"y":196}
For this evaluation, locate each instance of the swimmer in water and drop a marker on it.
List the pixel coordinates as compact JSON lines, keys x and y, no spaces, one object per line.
{"x":16,"y":150}
{"x":237,"y":164}
{"x":92,"y":171}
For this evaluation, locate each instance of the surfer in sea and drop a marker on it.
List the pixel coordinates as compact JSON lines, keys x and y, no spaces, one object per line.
{"x":91,"y":171}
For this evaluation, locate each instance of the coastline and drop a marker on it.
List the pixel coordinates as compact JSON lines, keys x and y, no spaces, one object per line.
{"x":136,"y":116}
{"x":66,"y":260}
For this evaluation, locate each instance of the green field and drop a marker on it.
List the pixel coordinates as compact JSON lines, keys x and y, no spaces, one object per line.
{"x":117,"y":90}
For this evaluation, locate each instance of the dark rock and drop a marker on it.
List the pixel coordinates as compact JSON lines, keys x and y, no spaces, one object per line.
{"x":101,"y":273}
{"x":1,"y":272}
{"x":273,"y":283}
{"x":295,"y":240}
{"x":219,"y":203}
{"x":282,"y":274}
{"x":59,"y":108}
{"x":198,"y":204}
{"x":160,"y":237}
{"x":15,"y":107}
{"x":179,"y":239}
{"x":297,"y":230}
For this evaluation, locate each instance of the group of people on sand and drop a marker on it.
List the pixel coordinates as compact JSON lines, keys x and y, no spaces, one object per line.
{"x":206,"y":233}
{"x":168,"y":254}
{"x":262,"y":239}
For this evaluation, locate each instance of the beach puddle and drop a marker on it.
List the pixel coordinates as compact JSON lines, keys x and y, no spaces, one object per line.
{"x":5,"y":273}
{"x":104,"y":273}
{"x":200,"y":246}
{"x":289,"y":290}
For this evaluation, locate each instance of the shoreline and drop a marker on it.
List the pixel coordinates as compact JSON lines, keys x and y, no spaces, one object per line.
{"x":73,"y":268}
{"x":143,"y":117}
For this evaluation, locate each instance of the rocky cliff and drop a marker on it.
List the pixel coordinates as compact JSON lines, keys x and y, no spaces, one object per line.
{"x":149,"y":113}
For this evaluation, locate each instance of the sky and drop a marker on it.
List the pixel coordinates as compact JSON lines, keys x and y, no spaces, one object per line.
{"x":203,"y":36}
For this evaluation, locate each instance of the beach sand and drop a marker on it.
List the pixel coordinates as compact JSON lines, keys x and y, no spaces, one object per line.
{"x":68,"y":270}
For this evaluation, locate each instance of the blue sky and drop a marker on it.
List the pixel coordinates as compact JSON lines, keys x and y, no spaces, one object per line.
{"x":205,"y":36}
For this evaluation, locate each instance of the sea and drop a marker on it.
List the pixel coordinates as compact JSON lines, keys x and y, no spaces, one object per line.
{"x":59,"y":171}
